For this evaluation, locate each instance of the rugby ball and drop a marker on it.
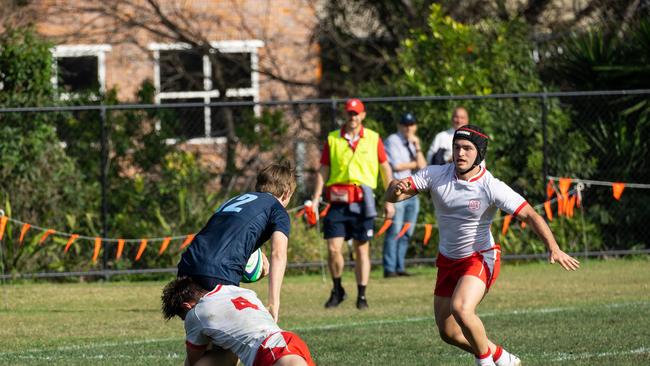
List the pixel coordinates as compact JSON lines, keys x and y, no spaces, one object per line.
{"x":253,"y":270}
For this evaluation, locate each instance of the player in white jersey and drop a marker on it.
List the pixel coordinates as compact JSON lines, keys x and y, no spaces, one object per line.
{"x":466,"y":197}
{"x":230,"y":318}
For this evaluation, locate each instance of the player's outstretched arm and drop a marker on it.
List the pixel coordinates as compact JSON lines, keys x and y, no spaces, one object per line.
{"x":279,"y":244}
{"x":399,"y":190}
{"x":555,"y":254}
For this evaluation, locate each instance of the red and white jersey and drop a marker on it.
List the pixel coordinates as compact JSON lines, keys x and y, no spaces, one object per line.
{"x":232,"y":318}
{"x":465,"y":208}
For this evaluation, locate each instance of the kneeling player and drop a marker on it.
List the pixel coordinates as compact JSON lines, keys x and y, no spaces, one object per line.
{"x":234,"y":322}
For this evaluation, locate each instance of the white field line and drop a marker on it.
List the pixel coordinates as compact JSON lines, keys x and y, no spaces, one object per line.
{"x":31,"y":352}
{"x":581,"y":356}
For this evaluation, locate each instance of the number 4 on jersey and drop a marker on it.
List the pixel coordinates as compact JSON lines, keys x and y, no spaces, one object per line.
{"x":241,"y":303}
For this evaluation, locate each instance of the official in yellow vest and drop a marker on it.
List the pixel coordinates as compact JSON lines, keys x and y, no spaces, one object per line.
{"x":351,"y":160}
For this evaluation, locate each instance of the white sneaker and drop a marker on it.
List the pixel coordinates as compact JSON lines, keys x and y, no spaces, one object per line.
{"x":508,"y":359}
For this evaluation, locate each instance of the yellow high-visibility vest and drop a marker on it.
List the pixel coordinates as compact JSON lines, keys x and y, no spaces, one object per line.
{"x":360,"y":166}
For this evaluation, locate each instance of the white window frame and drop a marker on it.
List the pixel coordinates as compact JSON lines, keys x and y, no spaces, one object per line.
{"x":79,"y":50}
{"x":241,"y":46}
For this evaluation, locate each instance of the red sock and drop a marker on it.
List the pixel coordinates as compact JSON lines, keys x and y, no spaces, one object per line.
{"x":486,"y":355}
{"x":497,"y":353}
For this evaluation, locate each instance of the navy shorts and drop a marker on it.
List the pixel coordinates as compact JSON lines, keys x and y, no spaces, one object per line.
{"x":340,"y":222}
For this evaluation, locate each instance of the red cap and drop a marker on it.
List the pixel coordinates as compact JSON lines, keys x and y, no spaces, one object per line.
{"x":354,"y":105}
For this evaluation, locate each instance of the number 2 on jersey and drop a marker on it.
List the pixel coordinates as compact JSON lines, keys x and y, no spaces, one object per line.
{"x":233,"y":204}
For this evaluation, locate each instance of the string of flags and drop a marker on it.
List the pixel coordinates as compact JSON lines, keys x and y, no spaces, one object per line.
{"x":557,"y":192}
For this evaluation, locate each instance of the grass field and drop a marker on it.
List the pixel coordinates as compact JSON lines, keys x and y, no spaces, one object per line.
{"x":598,"y":315}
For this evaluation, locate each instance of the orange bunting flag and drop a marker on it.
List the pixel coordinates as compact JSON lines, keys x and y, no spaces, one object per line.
{"x":571,"y":203}
{"x":120,"y":248}
{"x":506,"y":224}
{"x":143,"y":245}
{"x":565,"y":184}
{"x":549,"y":189}
{"x":324,"y":212}
{"x":385,"y":226}
{"x":618,"y":189}
{"x":548,"y":210}
{"x":47,"y":233}
{"x":560,"y":206}
{"x":98,"y":245}
{"x":23,"y":231}
{"x":427,"y":233}
{"x":405,"y":228}
{"x":164,"y":245}
{"x":3,"y":224}
{"x":310,"y":215}
{"x":523,"y":225}
{"x":73,"y":237}
{"x":187,"y":241}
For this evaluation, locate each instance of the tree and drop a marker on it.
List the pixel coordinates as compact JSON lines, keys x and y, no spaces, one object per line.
{"x":40,"y":182}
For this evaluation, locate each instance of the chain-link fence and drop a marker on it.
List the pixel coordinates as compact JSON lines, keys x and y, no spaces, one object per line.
{"x":133,"y":181}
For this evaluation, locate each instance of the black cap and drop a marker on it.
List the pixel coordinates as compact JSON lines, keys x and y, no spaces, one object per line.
{"x":408,"y":119}
{"x":475,"y":135}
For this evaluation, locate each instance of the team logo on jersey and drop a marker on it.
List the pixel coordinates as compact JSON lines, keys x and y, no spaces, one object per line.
{"x":474,"y":205}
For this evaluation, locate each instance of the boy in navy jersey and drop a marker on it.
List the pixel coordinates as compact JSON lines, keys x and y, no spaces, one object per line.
{"x":219,"y":252}
{"x":215,"y":262}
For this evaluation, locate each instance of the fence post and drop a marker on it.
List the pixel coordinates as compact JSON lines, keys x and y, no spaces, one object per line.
{"x":544,"y":101}
{"x":104,"y":185}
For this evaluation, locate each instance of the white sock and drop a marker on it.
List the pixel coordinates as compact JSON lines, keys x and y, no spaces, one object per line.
{"x":486,"y":361}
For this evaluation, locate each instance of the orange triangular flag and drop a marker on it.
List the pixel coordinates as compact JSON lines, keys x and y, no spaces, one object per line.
{"x":3,"y":223}
{"x":565,"y":184}
{"x":143,"y":245}
{"x":45,"y":235}
{"x":570,"y":205}
{"x":549,"y":189}
{"x":23,"y":231}
{"x":120,"y":248}
{"x":405,"y":228}
{"x":384,"y":227}
{"x":187,"y":241}
{"x":549,"y":210}
{"x":73,"y":237}
{"x":506,"y":224}
{"x":98,"y":245}
{"x":560,"y":206}
{"x":618,"y":188}
{"x":324,"y":212}
{"x":164,"y":245}
{"x":427,"y":233}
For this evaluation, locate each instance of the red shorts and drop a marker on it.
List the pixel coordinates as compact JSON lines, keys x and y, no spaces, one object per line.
{"x":281,"y":344}
{"x":484,"y":265}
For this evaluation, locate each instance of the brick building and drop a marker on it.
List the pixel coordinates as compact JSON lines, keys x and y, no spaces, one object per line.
{"x":265,"y":49}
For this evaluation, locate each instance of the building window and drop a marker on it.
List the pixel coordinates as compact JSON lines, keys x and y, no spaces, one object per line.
{"x":80,"y":69}
{"x":184,"y":75}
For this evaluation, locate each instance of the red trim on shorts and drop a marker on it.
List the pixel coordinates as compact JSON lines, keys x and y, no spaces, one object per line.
{"x":216,"y":289}
{"x":519,"y":208}
{"x":410,"y":178}
{"x":195,"y":346}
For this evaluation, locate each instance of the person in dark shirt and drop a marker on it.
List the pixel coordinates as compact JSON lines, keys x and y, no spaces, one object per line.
{"x":219,"y":252}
